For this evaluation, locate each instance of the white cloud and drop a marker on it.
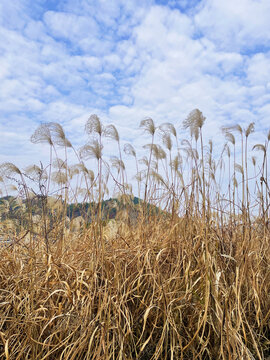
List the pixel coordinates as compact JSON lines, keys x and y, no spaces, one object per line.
{"x":162,"y":29}
{"x":13,"y":14}
{"x":242,"y":24}
{"x":69,"y":26}
{"x":258,"y":67}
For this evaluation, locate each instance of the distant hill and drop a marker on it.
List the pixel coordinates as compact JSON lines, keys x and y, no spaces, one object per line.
{"x":110,"y":208}
{"x":13,"y":208}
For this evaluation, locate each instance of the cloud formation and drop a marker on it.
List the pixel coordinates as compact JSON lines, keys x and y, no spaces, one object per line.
{"x":125,"y":61}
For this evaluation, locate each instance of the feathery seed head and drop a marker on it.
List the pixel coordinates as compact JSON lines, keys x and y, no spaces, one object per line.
{"x":260,"y":147}
{"x":194,"y":122}
{"x":157,"y":177}
{"x":129,"y":150}
{"x":59,"y":164}
{"x":238,"y":128}
{"x":157,"y":150}
{"x":148,"y":126}
{"x":111,"y":132}
{"x":92,"y":150}
{"x":42,"y":135}
{"x":250,"y":129}
{"x":230,"y":137}
{"x":59,"y":177}
{"x":167,"y":141}
{"x":74,"y":170}
{"x":36,"y":172}
{"x":117,"y":163}
{"x":144,"y":161}
{"x":168,"y":127}
{"x":58,"y":135}
{"x":239,"y":168}
{"x":9,"y":168}
{"x":176,"y":162}
{"x":93,"y":125}
{"x":91,"y":175}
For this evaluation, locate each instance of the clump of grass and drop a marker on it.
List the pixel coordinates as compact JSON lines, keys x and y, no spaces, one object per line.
{"x":185,"y":274}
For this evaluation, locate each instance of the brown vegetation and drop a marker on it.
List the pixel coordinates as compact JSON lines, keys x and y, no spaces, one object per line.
{"x":189,"y":279}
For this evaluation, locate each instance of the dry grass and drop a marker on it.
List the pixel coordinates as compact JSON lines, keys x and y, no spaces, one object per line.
{"x":190,"y":281}
{"x":189,"y":292}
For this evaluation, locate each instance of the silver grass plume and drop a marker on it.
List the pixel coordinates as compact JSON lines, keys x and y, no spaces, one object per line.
{"x":144,"y":161}
{"x":260,"y":147}
{"x":239,"y":168}
{"x":80,"y":167}
{"x":93,"y":125}
{"x":176,"y":162}
{"x":36,"y":172}
{"x":42,"y":135}
{"x":154,"y":165}
{"x":117,"y":163}
{"x":156,"y":176}
{"x":59,"y":177}
{"x":91,"y":175}
{"x":140,"y":175}
{"x":190,"y":152}
{"x":111,"y":132}
{"x":88,"y":172}
{"x":167,"y":141}
{"x":58,"y":135}
{"x":168,"y":127}
{"x":157,"y":150}
{"x":250,"y":129}
{"x":59,"y":164}
{"x":230,"y":137}
{"x":92,"y":150}
{"x":186,"y":143}
{"x":73,"y":170}
{"x":148,"y":126}
{"x":236,"y":127}
{"x":129,"y":150}
{"x":194,"y":122}
{"x":8,"y":169}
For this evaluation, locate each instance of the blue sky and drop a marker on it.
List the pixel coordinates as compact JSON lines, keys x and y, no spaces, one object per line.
{"x":126,"y":60}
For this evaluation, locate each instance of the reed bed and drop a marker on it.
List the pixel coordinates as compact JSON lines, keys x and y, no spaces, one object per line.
{"x":185,"y":275}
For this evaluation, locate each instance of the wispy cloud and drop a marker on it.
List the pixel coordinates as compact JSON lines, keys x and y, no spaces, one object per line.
{"x":126,"y":61}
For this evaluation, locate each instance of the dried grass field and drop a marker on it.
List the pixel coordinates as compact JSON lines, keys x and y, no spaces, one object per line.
{"x":183,"y":273}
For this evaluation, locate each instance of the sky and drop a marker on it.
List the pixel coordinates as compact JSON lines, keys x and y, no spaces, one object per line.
{"x":126,"y":60}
